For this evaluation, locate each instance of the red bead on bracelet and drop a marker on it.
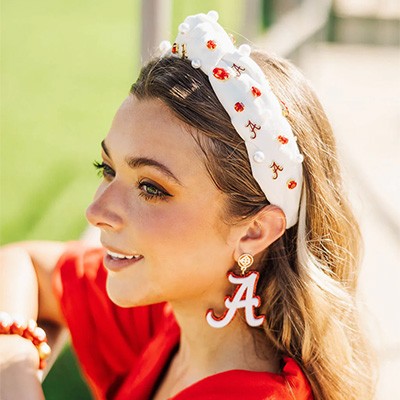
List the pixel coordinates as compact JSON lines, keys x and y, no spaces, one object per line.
{"x":28,"y":330}
{"x":18,"y":326}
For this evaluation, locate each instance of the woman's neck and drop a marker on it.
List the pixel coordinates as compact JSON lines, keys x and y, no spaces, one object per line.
{"x":206,"y":351}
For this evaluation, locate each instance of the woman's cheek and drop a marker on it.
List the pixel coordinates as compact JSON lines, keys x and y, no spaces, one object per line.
{"x":167,"y":222}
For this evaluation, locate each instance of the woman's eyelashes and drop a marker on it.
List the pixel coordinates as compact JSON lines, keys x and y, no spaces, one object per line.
{"x":104,"y":170}
{"x":150,"y":192}
{"x":147,"y":190}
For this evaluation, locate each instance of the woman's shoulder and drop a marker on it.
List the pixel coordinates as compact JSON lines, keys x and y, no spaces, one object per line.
{"x":81,"y":259}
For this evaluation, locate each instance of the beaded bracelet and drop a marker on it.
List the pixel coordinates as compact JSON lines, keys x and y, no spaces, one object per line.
{"x":16,"y":325}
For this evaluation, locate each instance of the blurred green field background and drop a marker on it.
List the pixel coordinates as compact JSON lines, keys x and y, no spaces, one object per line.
{"x":65,"y":68}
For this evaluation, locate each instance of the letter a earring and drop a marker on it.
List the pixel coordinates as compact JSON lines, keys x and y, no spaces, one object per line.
{"x":243,"y":297}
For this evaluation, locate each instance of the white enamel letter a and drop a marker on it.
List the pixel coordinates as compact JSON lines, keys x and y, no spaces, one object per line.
{"x":247,"y":287}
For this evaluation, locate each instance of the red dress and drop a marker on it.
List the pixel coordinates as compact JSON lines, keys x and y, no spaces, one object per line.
{"x":123,"y":351}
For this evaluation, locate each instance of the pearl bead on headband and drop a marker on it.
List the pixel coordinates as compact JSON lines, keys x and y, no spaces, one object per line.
{"x":255,"y":112}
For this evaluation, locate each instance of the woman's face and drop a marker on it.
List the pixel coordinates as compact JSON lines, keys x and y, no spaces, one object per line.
{"x":157,"y":200}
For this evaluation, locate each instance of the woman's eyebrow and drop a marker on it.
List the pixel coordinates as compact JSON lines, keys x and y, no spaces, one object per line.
{"x":137,"y":162}
{"x":103,"y":145}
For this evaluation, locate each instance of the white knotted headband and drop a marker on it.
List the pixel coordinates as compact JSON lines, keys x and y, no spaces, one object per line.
{"x":255,"y":112}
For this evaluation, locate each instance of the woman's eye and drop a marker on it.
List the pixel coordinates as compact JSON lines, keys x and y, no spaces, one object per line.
{"x":150,"y":192}
{"x":104,"y":170}
{"x":147,"y":190}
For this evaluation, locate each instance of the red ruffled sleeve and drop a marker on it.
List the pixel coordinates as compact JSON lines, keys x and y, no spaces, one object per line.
{"x":108,"y":339}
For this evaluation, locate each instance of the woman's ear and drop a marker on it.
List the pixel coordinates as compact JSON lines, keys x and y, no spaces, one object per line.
{"x":267,"y":226}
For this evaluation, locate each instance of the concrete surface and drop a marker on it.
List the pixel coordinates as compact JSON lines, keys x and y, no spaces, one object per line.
{"x":369,"y":8}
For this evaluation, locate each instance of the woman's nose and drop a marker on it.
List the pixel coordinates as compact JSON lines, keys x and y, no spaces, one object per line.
{"x":101,"y":214}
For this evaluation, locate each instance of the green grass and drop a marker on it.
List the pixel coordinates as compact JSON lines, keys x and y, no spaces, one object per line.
{"x":66,"y":66}
{"x":64,"y":381}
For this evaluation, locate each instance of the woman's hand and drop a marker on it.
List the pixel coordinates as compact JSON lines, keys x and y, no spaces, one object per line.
{"x":19,"y":363}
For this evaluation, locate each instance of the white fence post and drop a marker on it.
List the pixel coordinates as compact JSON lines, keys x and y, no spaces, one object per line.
{"x":251,"y":21}
{"x":156,"y":23}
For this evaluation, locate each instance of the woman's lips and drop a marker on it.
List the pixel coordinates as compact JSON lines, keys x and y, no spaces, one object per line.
{"x":119,"y":264}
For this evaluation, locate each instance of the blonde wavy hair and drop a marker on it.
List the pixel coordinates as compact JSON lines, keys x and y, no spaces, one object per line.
{"x":308,"y":277}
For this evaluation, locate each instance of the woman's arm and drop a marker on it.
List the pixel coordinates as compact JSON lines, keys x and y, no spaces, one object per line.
{"x":26,"y":270}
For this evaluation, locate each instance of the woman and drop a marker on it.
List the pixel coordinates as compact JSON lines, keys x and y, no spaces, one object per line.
{"x":218,"y":281}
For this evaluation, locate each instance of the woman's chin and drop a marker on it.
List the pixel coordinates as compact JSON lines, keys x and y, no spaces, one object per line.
{"x":126,"y":296}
